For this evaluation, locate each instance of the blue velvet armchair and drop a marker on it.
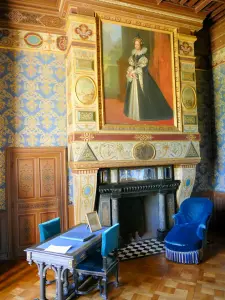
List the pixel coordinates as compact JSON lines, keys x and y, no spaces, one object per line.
{"x":186,"y":240}
{"x":101,"y":264}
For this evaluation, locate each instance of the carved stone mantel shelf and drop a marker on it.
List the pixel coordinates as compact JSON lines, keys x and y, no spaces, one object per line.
{"x":142,"y":189}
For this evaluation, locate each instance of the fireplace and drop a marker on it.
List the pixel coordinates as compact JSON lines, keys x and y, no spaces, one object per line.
{"x":142,"y":200}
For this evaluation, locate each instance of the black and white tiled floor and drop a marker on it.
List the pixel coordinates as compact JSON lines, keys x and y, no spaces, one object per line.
{"x":141,"y":249}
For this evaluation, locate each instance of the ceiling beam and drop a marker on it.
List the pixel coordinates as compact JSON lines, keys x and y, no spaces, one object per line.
{"x":192,"y":2}
{"x":217,"y":11}
{"x":219,"y":16}
{"x":214,"y":7}
{"x":202,"y":4}
{"x":182,"y":2}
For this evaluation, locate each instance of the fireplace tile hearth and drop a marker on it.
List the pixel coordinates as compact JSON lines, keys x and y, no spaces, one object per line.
{"x":141,"y":249}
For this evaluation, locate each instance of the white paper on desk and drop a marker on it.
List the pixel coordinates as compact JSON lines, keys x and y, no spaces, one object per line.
{"x":58,"y":249}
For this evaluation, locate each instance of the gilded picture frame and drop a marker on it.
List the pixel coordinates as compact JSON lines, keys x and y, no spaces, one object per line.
{"x":134,"y":27}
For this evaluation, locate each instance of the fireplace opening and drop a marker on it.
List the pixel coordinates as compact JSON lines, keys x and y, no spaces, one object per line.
{"x":138,"y":218}
{"x":142,"y":200}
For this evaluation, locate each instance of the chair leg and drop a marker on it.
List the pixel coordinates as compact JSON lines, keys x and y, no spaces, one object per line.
{"x":105,"y":294}
{"x":100,"y":285}
{"x":117,"y":276}
{"x":75,"y":279}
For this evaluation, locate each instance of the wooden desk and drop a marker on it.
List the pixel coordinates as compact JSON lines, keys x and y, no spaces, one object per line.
{"x":61,"y":263}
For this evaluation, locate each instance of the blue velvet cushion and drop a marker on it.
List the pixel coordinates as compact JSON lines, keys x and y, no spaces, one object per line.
{"x":110,"y":239}
{"x":183,"y":238}
{"x":94,"y":262}
{"x":49,"y":229}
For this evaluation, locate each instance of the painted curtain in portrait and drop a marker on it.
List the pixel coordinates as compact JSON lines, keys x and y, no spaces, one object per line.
{"x":153,"y":65}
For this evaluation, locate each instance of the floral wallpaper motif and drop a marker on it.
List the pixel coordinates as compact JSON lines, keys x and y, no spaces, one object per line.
{"x":32,"y":102}
{"x":211,"y":113}
{"x":219,"y":130}
{"x":205,"y":107}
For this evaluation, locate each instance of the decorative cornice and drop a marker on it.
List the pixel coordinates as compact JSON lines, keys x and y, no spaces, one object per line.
{"x":20,"y":39}
{"x":24,"y":19}
{"x":114,"y":164}
{"x":95,"y":136}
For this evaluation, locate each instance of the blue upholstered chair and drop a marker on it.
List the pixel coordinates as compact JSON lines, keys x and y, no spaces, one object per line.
{"x":47,"y":230}
{"x":102,"y":264}
{"x":185,"y":241}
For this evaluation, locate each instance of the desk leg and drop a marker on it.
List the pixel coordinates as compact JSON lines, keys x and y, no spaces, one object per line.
{"x":66,"y":282}
{"x":41,"y":273}
{"x":59,"y":284}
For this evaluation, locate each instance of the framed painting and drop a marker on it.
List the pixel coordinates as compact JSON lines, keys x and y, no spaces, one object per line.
{"x":93,"y":221}
{"x":138,"y":77}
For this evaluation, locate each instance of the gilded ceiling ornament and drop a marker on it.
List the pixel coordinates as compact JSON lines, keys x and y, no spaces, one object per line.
{"x":83,"y":31}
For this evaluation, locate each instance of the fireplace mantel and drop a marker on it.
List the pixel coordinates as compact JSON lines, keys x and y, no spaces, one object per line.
{"x":139,"y":188}
{"x":112,"y":196}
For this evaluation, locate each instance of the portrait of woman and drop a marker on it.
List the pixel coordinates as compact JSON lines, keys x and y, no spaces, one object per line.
{"x":138,"y":77}
{"x":144,"y":99}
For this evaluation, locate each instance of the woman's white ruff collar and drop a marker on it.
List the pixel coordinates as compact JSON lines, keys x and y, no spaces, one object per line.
{"x":139,"y":52}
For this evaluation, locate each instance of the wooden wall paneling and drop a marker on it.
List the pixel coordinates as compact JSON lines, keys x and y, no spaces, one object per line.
{"x":3,"y":235}
{"x":217,"y":222}
{"x":71,"y":215}
{"x":37,"y":192}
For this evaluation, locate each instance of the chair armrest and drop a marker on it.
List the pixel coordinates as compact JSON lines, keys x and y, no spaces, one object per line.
{"x":202,"y":227}
{"x":179,"y":218}
{"x":201,"y":231}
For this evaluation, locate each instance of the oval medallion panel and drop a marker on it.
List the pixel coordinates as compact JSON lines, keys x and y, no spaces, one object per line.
{"x":143,"y":151}
{"x":189,"y":97}
{"x":33,"y":39}
{"x":85,"y":90}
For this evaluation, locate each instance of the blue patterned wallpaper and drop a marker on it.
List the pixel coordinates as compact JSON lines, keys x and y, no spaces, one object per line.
{"x":32,"y":103}
{"x":219,"y":130}
{"x":203,"y":181}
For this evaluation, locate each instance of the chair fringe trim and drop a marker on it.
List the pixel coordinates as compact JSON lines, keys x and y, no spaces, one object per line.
{"x":191,"y":257}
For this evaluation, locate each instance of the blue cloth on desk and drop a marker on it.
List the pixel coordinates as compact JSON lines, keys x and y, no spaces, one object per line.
{"x":58,"y":241}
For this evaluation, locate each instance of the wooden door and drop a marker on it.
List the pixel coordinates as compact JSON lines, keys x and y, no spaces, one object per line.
{"x":37,"y":192}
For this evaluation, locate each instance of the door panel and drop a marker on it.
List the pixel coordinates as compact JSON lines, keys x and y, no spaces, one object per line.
{"x":36,"y":188}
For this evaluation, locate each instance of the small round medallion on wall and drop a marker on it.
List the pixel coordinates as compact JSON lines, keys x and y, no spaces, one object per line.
{"x":85,"y":90}
{"x":188,"y":97}
{"x":87,"y":190}
{"x":143,"y":151}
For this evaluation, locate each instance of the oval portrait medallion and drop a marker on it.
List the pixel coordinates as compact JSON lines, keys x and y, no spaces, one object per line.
{"x":143,"y":151}
{"x":33,"y":39}
{"x":189,"y":97}
{"x":85,"y":90}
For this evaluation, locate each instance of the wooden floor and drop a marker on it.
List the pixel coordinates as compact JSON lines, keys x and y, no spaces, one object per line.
{"x":146,"y":278}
